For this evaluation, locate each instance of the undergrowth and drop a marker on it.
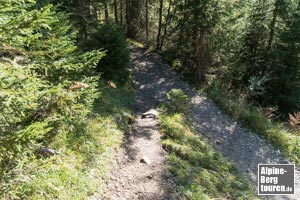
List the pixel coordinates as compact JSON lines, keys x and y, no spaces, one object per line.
{"x":111,"y":37}
{"x":85,"y":158}
{"x":201,"y":172}
{"x":234,"y":104}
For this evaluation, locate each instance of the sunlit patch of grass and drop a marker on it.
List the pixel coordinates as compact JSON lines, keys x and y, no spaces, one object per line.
{"x":200,"y":171}
{"x":86,"y":153}
{"x":136,"y":43}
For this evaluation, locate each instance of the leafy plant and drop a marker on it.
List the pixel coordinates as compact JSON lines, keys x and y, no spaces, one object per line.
{"x":257,"y":86}
{"x":294,"y":121}
{"x":270,"y":112}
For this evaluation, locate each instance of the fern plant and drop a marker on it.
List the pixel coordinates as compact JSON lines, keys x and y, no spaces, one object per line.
{"x":294,"y":121}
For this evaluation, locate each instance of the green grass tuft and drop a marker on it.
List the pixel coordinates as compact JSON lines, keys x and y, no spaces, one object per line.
{"x":136,"y":43}
{"x":201,"y":172}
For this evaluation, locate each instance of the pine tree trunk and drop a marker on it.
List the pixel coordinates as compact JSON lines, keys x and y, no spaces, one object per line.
{"x":201,"y":59}
{"x":128,"y":25}
{"x":116,"y":10}
{"x":272,"y":25}
{"x":195,"y":29}
{"x":121,"y":12}
{"x":198,"y":44}
{"x":159,"y":25}
{"x":81,"y":15}
{"x":106,"y":10}
{"x":147,"y":20}
{"x":133,"y":18}
{"x":181,"y":32}
{"x":168,"y":20}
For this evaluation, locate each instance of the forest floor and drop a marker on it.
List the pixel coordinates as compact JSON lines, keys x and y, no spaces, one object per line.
{"x":141,"y":171}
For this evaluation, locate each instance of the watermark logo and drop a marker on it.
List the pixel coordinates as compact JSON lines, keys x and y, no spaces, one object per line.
{"x":276,"y":179}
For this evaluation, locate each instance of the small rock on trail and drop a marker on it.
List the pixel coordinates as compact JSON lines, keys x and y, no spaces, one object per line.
{"x":152,"y":113}
{"x":145,"y":160}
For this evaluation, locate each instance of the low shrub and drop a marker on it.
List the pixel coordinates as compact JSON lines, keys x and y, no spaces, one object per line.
{"x":111,"y":37}
{"x":177,"y":101}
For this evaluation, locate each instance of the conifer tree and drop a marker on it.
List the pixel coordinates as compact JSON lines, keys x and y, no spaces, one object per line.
{"x":46,"y":84}
{"x":285,"y":61}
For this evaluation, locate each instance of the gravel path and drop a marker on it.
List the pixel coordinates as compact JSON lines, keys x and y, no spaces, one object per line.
{"x":136,"y":180}
{"x":141,"y":171}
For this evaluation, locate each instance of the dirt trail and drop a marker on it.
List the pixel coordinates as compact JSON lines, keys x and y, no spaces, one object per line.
{"x":135,"y":180}
{"x":141,"y":171}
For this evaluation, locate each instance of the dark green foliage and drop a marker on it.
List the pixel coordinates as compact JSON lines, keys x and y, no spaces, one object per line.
{"x":178,"y":102}
{"x":111,"y":37}
{"x":270,"y":55}
{"x":285,"y":72}
{"x":255,"y":39}
{"x":253,"y":43}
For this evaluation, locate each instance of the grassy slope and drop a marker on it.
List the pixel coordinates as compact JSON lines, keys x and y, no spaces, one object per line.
{"x":201,"y":172}
{"x":252,"y":117}
{"x":86,"y":154}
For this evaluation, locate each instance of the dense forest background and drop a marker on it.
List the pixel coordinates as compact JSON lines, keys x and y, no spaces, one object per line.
{"x":244,"y":54}
{"x":252,"y":46}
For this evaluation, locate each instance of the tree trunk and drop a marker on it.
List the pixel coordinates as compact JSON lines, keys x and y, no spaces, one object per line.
{"x":116,"y":10}
{"x":128,"y":25}
{"x":168,"y":20}
{"x":121,"y":12}
{"x":272,"y":25}
{"x":133,"y":18}
{"x":159,"y":25}
{"x":195,"y":29}
{"x":147,"y":20}
{"x":181,"y":32}
{"x":198,"y":44}
{"x":106,"y":10}
{"x":201,"y":60}
{"x":83,"y":29}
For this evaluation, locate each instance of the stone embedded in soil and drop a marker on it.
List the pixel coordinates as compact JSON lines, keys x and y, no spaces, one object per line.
{"x":218,"y":142}
{"x":150,"y":176}
{"x":145,"y":160}
{"x":152,"y":113}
